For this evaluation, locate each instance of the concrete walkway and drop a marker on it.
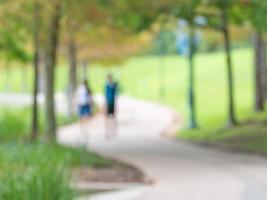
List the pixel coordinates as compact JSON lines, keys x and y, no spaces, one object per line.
{"x":181,"y":171}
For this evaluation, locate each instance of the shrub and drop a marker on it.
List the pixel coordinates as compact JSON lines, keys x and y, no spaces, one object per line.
{"x":13,"y":124}
{"x":36,"y":182}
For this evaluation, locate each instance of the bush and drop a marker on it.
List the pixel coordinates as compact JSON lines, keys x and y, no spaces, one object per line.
{"x":13,"y":124}
{"x":41,"y":171}
{"x":39,"y":182}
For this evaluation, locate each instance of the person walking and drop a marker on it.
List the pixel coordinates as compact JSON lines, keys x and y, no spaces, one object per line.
{"x":111,"y":91}
{"x":84,"y":101}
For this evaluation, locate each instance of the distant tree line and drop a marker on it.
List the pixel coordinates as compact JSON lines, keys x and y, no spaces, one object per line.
{"x":38,"y":30}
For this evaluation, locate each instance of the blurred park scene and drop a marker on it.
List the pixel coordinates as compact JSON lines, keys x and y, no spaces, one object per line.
{"x":192,"y":91}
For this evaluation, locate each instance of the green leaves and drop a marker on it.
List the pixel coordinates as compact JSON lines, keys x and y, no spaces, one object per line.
{"x":13,"y":32}
{"x":11,"y":48}
{"x":258,"y":14}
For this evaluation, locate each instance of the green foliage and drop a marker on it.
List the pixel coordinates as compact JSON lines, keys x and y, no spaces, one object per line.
{"x":13,"y":31}
{"x":35,"y":182}
{"x":256,"y":12}
{"x":140,"y":72}
{"x":249,"y":136}
{"x":132,"y":15}
{"x":15,"y":124}
{"x":11,"y":49}
{"x":164,"y":43}
{"x":187,"y":10}
{"x":23,"y":155}
{"x":41,"y":171}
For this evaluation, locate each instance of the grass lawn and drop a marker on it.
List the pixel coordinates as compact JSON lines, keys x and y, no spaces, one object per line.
{"x":41,"y":171}
{"x":37,"y":171}
{"x":249,"y":136}
{"x":139,"y":77}
{"x":15,"y":123}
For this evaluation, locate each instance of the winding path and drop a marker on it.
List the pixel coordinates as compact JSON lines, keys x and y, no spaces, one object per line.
{"x":181,"y":171}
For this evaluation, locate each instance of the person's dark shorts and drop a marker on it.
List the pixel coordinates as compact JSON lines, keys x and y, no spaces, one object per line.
{"x":84,"y":111}
{"x":110,"y":109}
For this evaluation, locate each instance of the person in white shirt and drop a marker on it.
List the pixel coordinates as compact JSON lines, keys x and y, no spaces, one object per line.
{"x":84,"y":101}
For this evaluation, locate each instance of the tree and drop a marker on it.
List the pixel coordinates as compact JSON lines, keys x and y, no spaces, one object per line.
{"x":260,"y":71}
{"x":13,"y":36}
{"x":187,"y":10}
{"x":50,"y":63}
{"x":36,"y":30}
{"x":218,"y":13}
{"x":225,"y":31}
{"x":133,"y":16}
{"x":255,"y":11}
{"x":15,"y":43}
{"x":72,"y":55}
{"x":76,"y":20}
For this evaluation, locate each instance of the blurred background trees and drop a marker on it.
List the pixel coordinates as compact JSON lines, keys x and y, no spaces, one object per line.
{"x":111,"y":31}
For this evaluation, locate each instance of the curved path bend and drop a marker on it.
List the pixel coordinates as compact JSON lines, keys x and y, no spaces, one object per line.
{"x":181,"y":171}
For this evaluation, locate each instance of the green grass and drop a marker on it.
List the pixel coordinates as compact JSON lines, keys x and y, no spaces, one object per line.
{"x":139,"y":78}
{"x":41,"y":171}
{"x":25,"y":154}
{"x":250,"y":136}
{"x":37,"y":171}
{"x":15,"y":123}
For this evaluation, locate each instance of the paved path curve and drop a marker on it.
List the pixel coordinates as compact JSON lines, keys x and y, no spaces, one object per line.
{"x":181,"y":171}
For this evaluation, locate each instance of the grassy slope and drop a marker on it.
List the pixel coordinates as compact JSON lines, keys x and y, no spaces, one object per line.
{"x":41,"y":171}
{"x":139,"y":78}
{"x":36,"y":171}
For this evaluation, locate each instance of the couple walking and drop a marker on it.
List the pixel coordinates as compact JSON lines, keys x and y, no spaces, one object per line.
{"x":85,"y":103}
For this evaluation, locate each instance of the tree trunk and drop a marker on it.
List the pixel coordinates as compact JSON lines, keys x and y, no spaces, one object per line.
{"x":41,"y":71}
{"x":36,"y":73}
{"x":8,"y":78}
{"x":161,"y":69}
{"x":72,"y":73}
{"x":191,"y":90}
{"x":260,"y":73}
{"x":24,"y":79}
{"x":51,"y":55}
{"x":85,"y":70}
{"x":264,"y":69}
{"x":231,"y":105}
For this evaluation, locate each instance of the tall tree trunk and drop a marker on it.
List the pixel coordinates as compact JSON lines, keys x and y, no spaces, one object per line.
{"x":36,"y":73}
{"x":264,"y":69}
{"x":231,"y":105}
{"x":8,"y":78}
{"x":51,"y":55}
{"x":72,"y":73}
{"x":191,"y":90}
{"x":85,"y":70}
{"x":161,"y":68}
{"x":161,"y":78}
{"x":24,"y":79}
{"x":41,"y":71}
{"x":260,"y":73}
